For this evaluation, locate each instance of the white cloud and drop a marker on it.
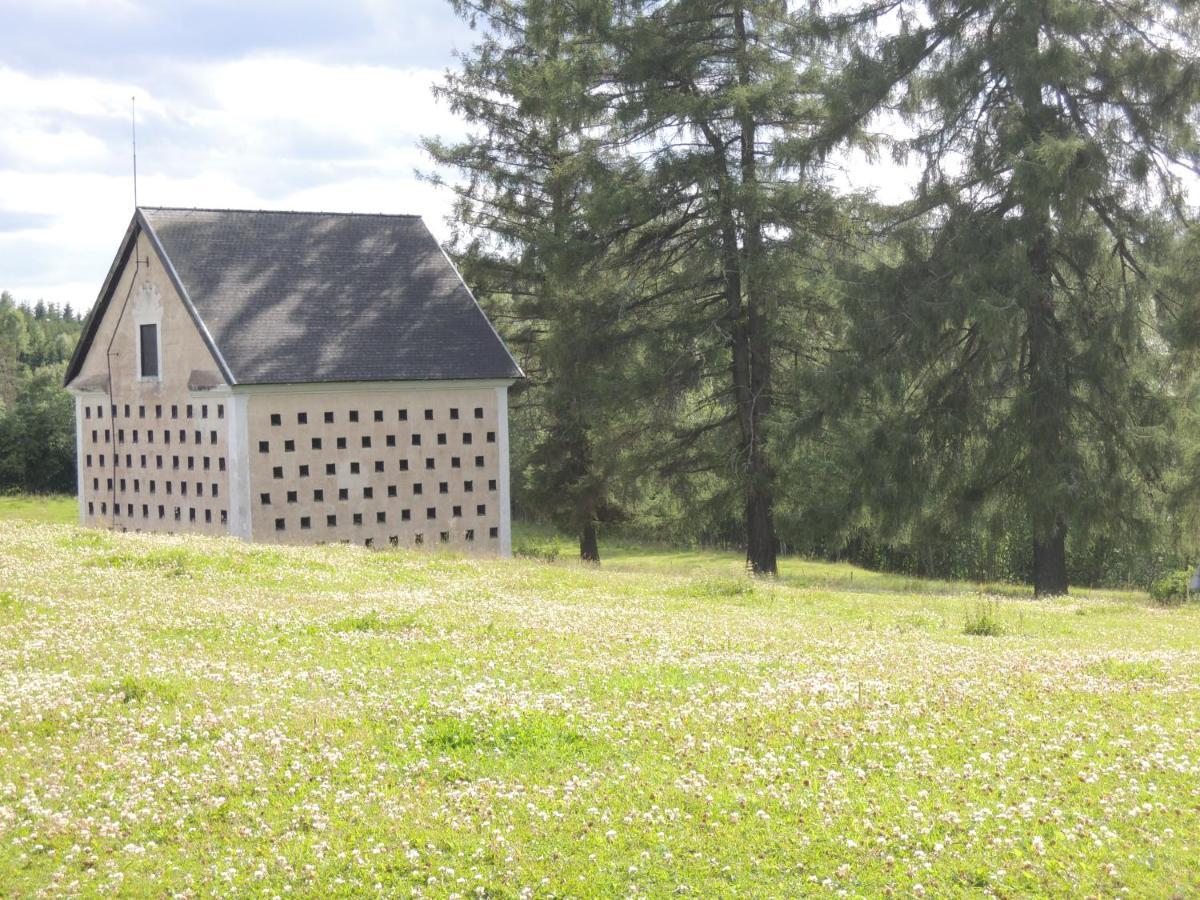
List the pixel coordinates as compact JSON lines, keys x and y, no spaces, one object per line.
{"x":59,"y":95}
{"x":260,"y":132}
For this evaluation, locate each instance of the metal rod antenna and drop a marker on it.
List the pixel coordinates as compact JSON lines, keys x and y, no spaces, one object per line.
{"x":133,"y":132}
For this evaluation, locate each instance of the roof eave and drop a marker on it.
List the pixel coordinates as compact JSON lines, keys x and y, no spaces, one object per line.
{"x":218,"y":357}
{"x":519,"y":372}
{"x":102,"y":301}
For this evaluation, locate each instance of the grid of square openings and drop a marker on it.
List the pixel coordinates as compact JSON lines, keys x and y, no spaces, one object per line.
{"x":376,"y":474}
{"x":156,"y":466}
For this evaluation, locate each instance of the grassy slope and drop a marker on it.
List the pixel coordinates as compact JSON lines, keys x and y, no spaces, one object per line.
{"x":34,"y":508}
{"x":197,"y":715}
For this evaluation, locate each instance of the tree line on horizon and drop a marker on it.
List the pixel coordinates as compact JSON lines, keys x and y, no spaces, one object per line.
{"x":992,"y":378}
{"x":37,"y":416}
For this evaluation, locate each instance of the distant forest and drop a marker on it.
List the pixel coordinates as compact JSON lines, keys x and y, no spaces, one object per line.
{"x":37,"y":415}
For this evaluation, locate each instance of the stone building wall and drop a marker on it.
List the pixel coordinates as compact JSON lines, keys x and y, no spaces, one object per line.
{"x":408,"y":466}
{"x":153,"y":456}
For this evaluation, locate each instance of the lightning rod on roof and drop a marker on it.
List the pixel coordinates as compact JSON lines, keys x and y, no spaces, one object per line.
{"x":133,"y":133}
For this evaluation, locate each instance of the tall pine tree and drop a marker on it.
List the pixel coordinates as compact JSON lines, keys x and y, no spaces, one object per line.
{"x":525,"y":178}
{"x":715,"y":100}
{"x":1013,"y":326}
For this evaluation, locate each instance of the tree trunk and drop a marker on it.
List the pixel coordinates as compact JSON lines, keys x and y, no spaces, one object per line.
{"x":589,"y":545}
{"x":748,"y":314}
{"x":1048,"y":375}
{"x":761,"y":542}
{"x":1050,"y":562}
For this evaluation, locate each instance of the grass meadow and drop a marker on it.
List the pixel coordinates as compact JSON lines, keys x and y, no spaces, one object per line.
{"x":197,"y":717}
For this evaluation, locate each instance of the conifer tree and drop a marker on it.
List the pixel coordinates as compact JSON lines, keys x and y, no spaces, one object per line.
{"x":524,"y":181}
{"x":717,"y":102}
{"x":1012,"y":329}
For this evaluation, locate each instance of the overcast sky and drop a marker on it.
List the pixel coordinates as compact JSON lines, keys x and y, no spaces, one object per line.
{"x":297,"y":104}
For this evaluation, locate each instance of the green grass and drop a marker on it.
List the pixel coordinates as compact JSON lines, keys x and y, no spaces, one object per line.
{"x":55,"y":508}
{"x":203,"y":717}
{"x":539,"y":542}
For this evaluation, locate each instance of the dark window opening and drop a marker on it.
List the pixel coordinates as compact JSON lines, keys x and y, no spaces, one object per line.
{"x":149,"y":340}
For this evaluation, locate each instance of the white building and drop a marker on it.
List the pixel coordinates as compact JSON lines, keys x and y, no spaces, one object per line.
{"x":293,"y":377}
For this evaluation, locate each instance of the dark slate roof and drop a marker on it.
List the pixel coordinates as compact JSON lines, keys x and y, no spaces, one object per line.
{"x":290,"y":297}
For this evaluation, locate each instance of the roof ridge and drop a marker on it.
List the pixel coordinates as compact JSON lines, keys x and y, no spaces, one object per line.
{"x":281,"y":212}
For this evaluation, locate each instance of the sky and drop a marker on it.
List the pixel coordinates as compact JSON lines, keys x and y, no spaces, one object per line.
{"x":304,"y":104}
{"x":299,"y":104}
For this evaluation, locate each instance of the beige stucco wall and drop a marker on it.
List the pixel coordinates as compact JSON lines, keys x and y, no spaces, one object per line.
{"x":128,"y":470}
{"x":470,"y":514}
